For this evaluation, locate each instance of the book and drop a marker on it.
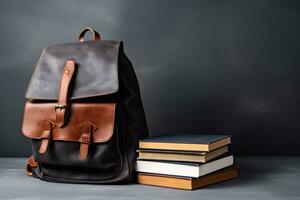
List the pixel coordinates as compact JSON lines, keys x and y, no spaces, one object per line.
{"x":183,"y":168}
{"x":187,"y":183}
{"x":185,"y":156}
{"x":185,"y":142}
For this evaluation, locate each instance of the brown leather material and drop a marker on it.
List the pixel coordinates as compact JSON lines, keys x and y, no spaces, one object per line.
{"x":45,"y":141}
{"x":96,"y":74}
{"x":100,"y":115}
{"x":61,"y":108}
{"x":47,"y":127}
{"x":31,"y":163}
{"x":96,"y":35}
{"x":83,"y":152}
{"x":87,"y":129}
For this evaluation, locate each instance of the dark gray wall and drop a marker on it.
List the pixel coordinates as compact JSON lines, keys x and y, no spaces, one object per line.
{"x":203,"y":66}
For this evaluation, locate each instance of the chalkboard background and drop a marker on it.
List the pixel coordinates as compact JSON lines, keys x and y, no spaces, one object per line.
{"x":203,"y":66}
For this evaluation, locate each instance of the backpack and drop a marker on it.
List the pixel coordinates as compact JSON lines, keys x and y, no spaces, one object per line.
{"x":84,"y":113}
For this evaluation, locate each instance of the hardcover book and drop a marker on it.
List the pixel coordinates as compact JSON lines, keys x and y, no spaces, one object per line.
{"x":183,"y":168}
{"x":185,"y":156}
{"x":186,"y":183}
{"x":186,"y":142}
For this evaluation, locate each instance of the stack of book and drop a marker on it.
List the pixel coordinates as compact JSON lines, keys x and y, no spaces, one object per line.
{"x":186,"y":161}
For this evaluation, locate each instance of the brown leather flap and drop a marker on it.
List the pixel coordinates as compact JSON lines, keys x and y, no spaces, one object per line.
{"x":101,"y":116}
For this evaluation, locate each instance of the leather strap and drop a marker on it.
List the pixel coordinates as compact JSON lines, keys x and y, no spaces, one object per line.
{"x":61,"y":107}
{"x":85,"y":140}
{"x":86,"y":129}
{"x":31,"y":163}
{"x":47,"y":127}
{"x":96,"y":35}
{"x":45,"y":141}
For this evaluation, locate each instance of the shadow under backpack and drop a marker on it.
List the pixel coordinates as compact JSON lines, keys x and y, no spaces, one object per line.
{"x":84,"y":113}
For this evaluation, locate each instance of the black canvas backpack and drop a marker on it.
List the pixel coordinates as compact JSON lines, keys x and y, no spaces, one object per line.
{"x":84,"y":113}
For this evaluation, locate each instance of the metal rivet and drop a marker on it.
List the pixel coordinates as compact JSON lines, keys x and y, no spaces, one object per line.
{"x":67,"y":71}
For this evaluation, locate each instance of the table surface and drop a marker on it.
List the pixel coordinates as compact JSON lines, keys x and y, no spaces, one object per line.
{"x":260,"y":178}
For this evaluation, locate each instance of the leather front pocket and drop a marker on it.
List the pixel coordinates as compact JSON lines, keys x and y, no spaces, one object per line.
{"x":62,"y":157}
{"x":100,"y":115}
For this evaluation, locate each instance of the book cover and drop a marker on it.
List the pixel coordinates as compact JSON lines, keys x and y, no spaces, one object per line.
{"x":187,"y":169}
{"x":186,"y":183}
{"x":188,"y":142}
{"x":185,"y":156}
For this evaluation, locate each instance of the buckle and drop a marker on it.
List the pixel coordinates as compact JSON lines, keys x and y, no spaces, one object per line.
{"x":60,"y":107}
